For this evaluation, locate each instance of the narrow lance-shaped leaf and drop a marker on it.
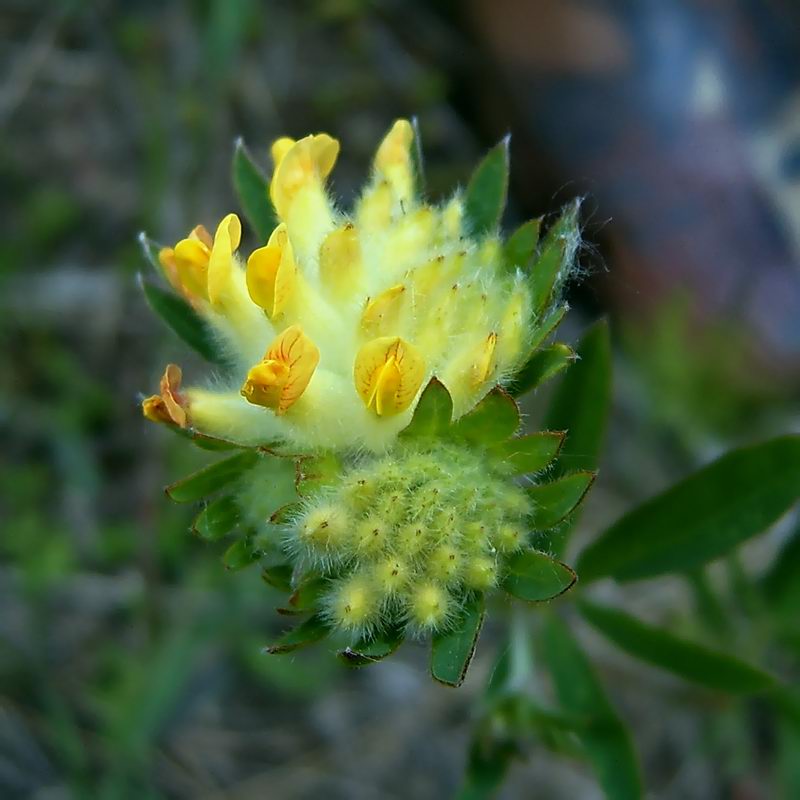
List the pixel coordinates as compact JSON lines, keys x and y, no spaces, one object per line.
{"x":316,"y":472}
{"x":433,"y":413}
{"x":452,"y":651}
{"x":530,"y":453}
{"x":555,"y":260}
{"x":536,"y":577}
{"x":150,"y":249}
{"x":782,"y":579}
{"x":252,"y":189}
{"x":546,"y":325}
{"x":604,"y":738}
{"x":306,"y":596}
{"x":555,"y":501}
{"x":702,"y":517}
{"x":521,"y":245}
{"x":183,"y":320}
{"x":582,"y":401}
{"x":312,"y":630}
{"x":493,"y":420}
{"x":486,"y":193}
{"x":581,"y":405}
{"x":217,"y":519}
{"x":541,"y":366}
{"x":211,"y":478}
{"x":694,"y":662}
{"x":279,"y":576}
{"x":239,"y":555}
{"x":370,"y":651}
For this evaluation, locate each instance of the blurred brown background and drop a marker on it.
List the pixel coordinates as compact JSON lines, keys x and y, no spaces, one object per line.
{"x":130,"y":662}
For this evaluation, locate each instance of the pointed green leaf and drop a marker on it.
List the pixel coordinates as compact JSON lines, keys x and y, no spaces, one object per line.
{"x":217,"y":519}
{"x":487,"y":190}
{"x":151,"y":249}
{"x":702,"y":517}
{"x":285,"y":513}
{"x":239,"y":555}
{"x":582,"y":401}
{"x":556,"y":258}
{"x":312,"y":630}
{"x":694,"y":662}
{"x":535,"y":577}
{"x":546,"y":274}
{"x":316,"y":472}
{"x":252,"y":188}
{"x":433,"y":413}
{"x":374,"y":649}
{"x":279,"y":576}
{"x":525,"y":455}
{"x":211,"y":478}
{"x":183,"y":320}
{"x":555,"y":501}
{"x":493,"y":420}
{"x":546,"y":325}
{"x":306,"y":596}
{"x":212,"y":443}
{"x":202,"y":441}
{"x":540,"y":367}
{"x":604,"y":738}
{"x":782,"y":579}
{"x":521,"y":245}
{"x":451,"y":652}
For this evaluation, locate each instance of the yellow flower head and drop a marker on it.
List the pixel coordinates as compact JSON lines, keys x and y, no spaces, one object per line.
{"x":365,"y":366}
{"x":356,"y":311}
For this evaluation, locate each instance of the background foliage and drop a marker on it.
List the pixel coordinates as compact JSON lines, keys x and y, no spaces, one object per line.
{"x":131,"y":661}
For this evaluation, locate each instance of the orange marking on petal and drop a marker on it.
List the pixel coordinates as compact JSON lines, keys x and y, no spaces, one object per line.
{"x":388,"y":373}
{"x":279,"y":380}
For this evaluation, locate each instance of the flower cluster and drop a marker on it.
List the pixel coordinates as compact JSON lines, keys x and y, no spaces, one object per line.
{"x":373,"y":354}
{"x":409,"y":533}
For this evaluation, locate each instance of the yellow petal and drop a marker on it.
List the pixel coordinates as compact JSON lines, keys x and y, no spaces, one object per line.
{"x":279,"y":380}
{"x":279,"y":237}
{"x":280,"y":147}
{"x":200,"y":232}
{"x":192,"y":251}
{"x":262,"y":267}
{"x":513,"y":328}
{"x":186,"y":265}
{"x":393,"y":159}
{"x":306,"y":161}
{"x":483,"y":365}
{"x":220,"y":263}
{"x":166,"y":257}
{"x":191,"y":264}
{"x":233,"y":226}
{"x":168,"y":406}
{"x":395,"y":148}
{"x":265,"y":382}
{"x":383,"y":310}
{"x":375,"y":208}
{"x":340,"y":263}
{"x":272,"y":273}
{"x":388,"y":373}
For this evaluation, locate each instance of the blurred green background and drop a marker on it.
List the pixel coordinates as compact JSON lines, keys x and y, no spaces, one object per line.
{"x":130,"y":661}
